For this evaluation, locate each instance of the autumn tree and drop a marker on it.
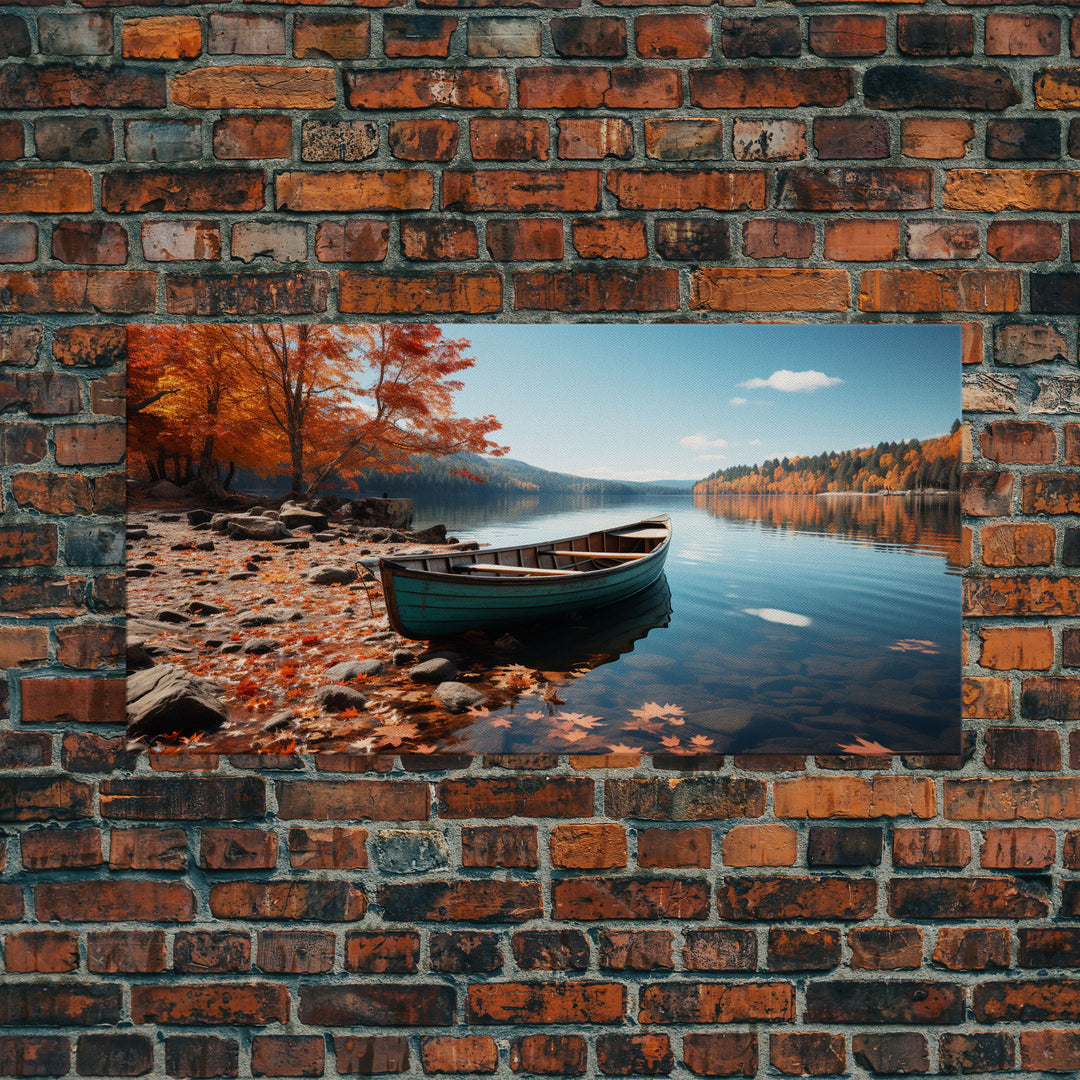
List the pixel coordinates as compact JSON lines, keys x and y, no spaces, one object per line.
{"x":314,"y":402}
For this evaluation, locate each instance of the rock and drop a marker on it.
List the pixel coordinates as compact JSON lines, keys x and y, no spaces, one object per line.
{"x":198,"y":517}
{"x":169,"y":518}
{"x":457,"y":697}
{"x":256,"y":529}
{"x":438,"y":670}
{"x":333,"y":575}
{"x":164,"y":489}
{"x":204,"y":607}
{"x":240,"y":575}
{"x":434,"y":535}
{"x":326,"y":537}
{"x":293,"y":543}
{"x":137,"y":656}
{"x":167,"y":615}
{"x":137,"y":532}
{"x":401,"y":657}
{"x":250,"y":619}
{"x":391,"y":513}
{"x":165,"y":698}
{"x":350,"y":669}
{"x":280,"y":721}
{"x":339,"y":698}
{"x":295,"y":517}
{"x":258,"y":646}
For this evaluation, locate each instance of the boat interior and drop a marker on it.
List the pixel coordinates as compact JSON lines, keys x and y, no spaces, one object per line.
{"x":595,"y":551}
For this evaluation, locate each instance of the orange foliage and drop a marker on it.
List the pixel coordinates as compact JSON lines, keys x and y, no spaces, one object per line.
{"x":311,"y":402}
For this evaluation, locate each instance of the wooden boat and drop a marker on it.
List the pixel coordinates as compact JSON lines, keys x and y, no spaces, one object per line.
{"x":432,"y":595}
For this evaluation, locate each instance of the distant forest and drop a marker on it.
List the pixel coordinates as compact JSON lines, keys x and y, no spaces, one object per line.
{"x":457,"y":473}
{"x":929,"y":465}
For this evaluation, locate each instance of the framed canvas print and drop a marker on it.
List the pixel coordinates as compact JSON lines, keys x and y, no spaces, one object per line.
{"x":545,"y":538}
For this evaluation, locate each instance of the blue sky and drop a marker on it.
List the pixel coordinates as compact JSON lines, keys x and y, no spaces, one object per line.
{"x":656,"y":402}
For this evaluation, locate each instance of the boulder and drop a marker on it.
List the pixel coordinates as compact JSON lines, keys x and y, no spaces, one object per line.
{"x":165,"y":699}
{"x":350,"y":669}
{"x":389,"y":513}
{"x":256,"y":529}
{"x":339,"y":698}
{"x":164,"y":489}
{"x":198,"y":517}
{"x":296,"y":517}
{"x":457,"y":697}
{"x":439,"y":670}
{"x":259,"y":646}
{"x":333,"y":575}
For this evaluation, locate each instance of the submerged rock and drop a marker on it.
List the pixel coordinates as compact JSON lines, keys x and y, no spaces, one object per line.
{"x":350,"y":669}
{"x":339,"y":698}
{"x":439,"y":670}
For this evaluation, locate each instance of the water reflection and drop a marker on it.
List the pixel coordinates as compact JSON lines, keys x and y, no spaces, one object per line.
{"x":921,"y":523}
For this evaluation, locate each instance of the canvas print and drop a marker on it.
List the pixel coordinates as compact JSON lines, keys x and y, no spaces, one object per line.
{"x":550,"y":538}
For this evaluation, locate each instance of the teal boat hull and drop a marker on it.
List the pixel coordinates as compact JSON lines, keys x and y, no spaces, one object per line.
{"x":437,"y":595}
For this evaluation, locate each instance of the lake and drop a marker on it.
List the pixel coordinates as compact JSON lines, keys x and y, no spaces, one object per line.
{"x":787,"y":624}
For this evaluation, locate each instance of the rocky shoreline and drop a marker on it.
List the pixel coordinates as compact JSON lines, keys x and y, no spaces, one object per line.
{"x":258,"y":629}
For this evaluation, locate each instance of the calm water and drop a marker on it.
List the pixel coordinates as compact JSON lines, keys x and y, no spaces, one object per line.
{"x":787,"y":624}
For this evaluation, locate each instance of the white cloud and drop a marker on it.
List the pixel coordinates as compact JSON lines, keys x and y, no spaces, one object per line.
{"x":702,"y":442}
{"x":738,"y":401}
{"x":793,"y":381}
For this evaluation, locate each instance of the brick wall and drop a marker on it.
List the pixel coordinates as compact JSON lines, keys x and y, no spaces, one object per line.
{"x":546,"y":159}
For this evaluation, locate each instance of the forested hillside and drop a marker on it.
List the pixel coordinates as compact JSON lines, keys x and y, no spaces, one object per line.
{"x":929,"y":465}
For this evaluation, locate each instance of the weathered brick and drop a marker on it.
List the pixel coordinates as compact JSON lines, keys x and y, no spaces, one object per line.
{"x":777,"y":238}
{"x":594,"y":138}
{"x":549,"y":1055}
{"x":760,"y":845}
{"x":59,"y":1004}
{"x":803,"y":950}
{"x":114,"y":901}
{"x":942,"y":240}
{"x":508,"y":139}
{"x":66,"y":86}
{"x":629,"y":898}
{"x":980,"y":291}
{"x":935,"y":35}
{"x":202,"y":1056}
{"x":214,"y":1003}
{"x":666,"y":37}
{"x":765,"y":898}
{"x":163,"y":140}
{"x":438,"y":901}
{"x":326,"y":901}
{"x":300,"y":292}
{"x":892,"y":1001}
{"x":353,"y":240}
{"x":715,"y":1003}
{"x":769,"y":87}
{"x":598,"y":87}
{"x":422,"y":88}
{"x":1009,"y":189}
{"x":41,"y":951}
{"x":253,"y":87}
{"x":293,"y":952}
{"x":505,"y":845}
{"x":889,"y":86}
{"x":861,"y":240}
{"x":205,"y":951}
{"x":423,"y":139}
{"x":1023,"y":140}
{"x":231,"y":33}
{"x":1022,"y":999}
{"x":162,"y":37}
{"x":382,"y":1004}
{"x":247,"y":137}
{"x":177,"y":241}
{"x":922,"y":137}
{"x":807,"y":1053}
{"x":885,"y":948}
{"x":984,"y":1051}
{"x":287,"y":1055}
{"x":734,"y":1054}
{"x":1017,"y":545}
{"x":339,"y":847}
{"x":635,"y":950}
{"x":582,"y":37}
{"x":847,"y":35}
{"x":18,"y":242}
{"x":596,"y":290}
{"x":1028,"y":648}
{"x":440,"y":291}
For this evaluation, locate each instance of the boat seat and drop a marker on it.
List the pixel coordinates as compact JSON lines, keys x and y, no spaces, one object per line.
{"x":495,"y":568}
{"x":600,"y":554}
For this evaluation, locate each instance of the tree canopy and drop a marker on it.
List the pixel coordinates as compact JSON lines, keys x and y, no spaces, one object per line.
{"x":308,"y":401}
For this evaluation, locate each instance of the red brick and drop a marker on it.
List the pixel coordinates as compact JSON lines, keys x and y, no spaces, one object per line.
{"x":1017,"y":849}
{"x":610,"y":238}
{"x":202,"y":1056}
{"x":41,"y":951}
{"x":935,"y":35}
{"x":334,"y":36}
{"x":597,"y":87}
{"x":287,"y":1055}
{"x":1022,"y":35}
{"x":371,"y":1054}
{"x":769,"y":87}
{"x":300,"y":292}
{"x":981,"y":291}
{"x":1024,"y":241}
{"x":583,"y":37}
{"x":327,"y":901}
{"x":1009,"y":189}
{"x":209,"y":1003}
{"x":251,"y":137}
{"x":204,"y":951}
{"x":459,"y":1054}
{"x":1029,"y":648}
{"x":253,"y":87}
{"x":508,"y":139}
{"x":423,"y":88}
{"x":109,"y":901}
{"x":635,"y":950}
{"x":942,"y":240}
{"x":11,"y":140}
{"x":505,"y":845}
{"x":566,"y":1002}
{"x":922,"y":137}
{"x":734,"y":1054}
{"x":421,"y":35}
{"x":295,"y":952}
{"x":443,"y":291}
{"x":760,"y":845}
{"x":851,"y":137}
{"x":629,"y":898}
{"x":353,"y":240}
{"x":853,"y":1001}
{"x":162,"y":37}
{"x":438,"y":238}
{"x":807,"y":1053}
{"x":18,"y":242}
{"x":984,"y":1051}
{"x":771,"y":289}
{"x":875,"y":948}
{"x":1028,"y":999}
{"x":496,"y":189}
{"x":861,"y":240}
{"x":1021,"y":344}
{"x":653,"y":189}
{"x":148,"y":849}
{"x":181,"y":190}
{"x":765,"y":140}
{"x":34,"y":1055}
{"x":238,"y":849}
{"x":777,"y":238}
{"x":1017,"y":545}
{"x":795,"y":898}
{"x":79,"y":700}
{"x":716,"y":1003}
{"x":1050,"y":494}
{"x":803,"y":950}
{"x":613,"y":289}
{"x":668,"y":37}
{"x":339,"y":847}
{"x":1017,"y":442}
{"x":549,"y":1055}
{"x":720,"y":950}
{"x":670,"y":848}
{"x":634,"y":1055}
{"x":461,"y":901}
{"x":693,"y":239}
{"x":847,"y":35}
{"x":382,"y":952}
{"x":114,"y":292}
{"x":66,"y":86}
{"x":972,"y":948}
{"x":423,"y":139}
{"x":594,"y":138}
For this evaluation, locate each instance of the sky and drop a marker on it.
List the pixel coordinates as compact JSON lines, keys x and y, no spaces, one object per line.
{"x":677,"y":402}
